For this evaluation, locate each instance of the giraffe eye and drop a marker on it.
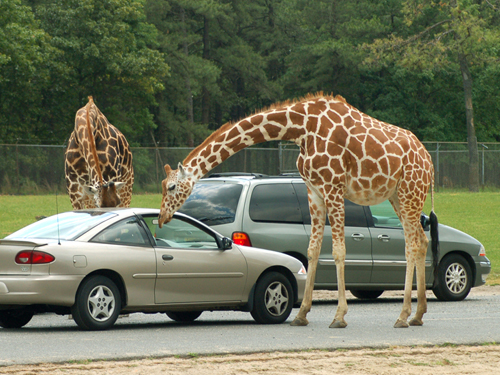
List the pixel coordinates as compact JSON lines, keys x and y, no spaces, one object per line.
{"x":171,"y":187}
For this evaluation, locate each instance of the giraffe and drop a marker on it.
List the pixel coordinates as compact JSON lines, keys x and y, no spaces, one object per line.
{"x":107,"y":183}
{"x":344,"y":153}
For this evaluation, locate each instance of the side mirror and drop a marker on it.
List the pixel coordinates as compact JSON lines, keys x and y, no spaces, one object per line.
{"x":424,"y":220}
{"x":226,"y":243}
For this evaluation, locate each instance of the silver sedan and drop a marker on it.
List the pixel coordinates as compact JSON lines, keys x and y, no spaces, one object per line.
{"x":98,"y":264}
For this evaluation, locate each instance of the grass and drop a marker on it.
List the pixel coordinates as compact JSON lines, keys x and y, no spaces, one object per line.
{"x":476,"y":214}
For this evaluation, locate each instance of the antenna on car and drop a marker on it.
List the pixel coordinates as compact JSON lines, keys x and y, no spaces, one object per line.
{"x":57,"y":218}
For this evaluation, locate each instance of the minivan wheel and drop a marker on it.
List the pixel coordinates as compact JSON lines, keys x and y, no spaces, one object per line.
{"x":454,"y":279}
{"x":273,"y":299}
{"x":183,"y":316}
{"x":366,"y":294}
{"x":98,"y":304}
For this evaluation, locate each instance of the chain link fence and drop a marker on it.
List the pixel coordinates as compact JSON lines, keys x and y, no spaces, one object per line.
{"x":39,"y":169}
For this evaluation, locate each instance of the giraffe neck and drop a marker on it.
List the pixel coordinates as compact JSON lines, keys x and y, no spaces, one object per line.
{"x":271,"y":125}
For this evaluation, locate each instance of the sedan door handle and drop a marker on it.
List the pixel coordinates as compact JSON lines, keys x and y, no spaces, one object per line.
{"x":384,"y":237}
{"x":357,"y":237}
{"x":167,"y":257}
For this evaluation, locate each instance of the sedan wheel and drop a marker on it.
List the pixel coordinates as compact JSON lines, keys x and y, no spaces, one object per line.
{"x":454,"y":279}
{"x":15,"y":318}
{"x":98,"y":304}
{"x":273,"y":300}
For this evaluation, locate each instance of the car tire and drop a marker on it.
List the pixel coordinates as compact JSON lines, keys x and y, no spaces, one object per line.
{"x":98,"y":304}
{"x":15,"y":318}
{"x":183,"y":316}
{"x":273,"y":299}
{"x":454,"y":279}
{"x":366,"y":294}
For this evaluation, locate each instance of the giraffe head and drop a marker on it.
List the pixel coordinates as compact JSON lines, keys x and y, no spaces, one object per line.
{"x":176,"y":189}
{"x":106,"y":194}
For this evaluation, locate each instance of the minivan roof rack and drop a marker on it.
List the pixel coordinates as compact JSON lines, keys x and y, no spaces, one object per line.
{"x":237,"y":174}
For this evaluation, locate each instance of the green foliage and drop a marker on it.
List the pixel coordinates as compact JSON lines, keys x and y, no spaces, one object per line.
{"x":168,"y":72}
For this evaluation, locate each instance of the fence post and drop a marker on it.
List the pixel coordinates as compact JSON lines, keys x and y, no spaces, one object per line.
{"x":436,"y":171}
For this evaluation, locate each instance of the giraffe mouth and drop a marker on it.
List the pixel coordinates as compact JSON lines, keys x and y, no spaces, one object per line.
{"x":162,"y":219}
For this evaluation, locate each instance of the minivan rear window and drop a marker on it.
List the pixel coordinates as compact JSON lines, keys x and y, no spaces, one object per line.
{"x":213,"y":204}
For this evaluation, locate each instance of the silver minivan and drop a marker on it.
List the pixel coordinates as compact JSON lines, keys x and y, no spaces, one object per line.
{"x":272,"y":213}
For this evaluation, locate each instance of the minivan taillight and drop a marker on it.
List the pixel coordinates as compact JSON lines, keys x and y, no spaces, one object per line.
{"x":34,"y":257}
{"x":241,"y":238}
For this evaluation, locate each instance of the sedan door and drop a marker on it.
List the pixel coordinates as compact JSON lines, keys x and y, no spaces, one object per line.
{"x":192,"y":269}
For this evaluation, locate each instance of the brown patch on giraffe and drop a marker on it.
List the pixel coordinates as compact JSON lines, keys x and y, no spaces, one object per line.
{"x":257,"y":136}
{"x":312,"y":125}
{"x":340,"y":108}
{"x":356,"y":148}
{"x":336,"y":119}
{"x":273,"y":130}
{"x":340,"y":135}
{"x":247,"y":125}
{"x":316,"y":108}
{"x":293,"y":134}
{"x":206,"y":152}
{"x":233,"y":133}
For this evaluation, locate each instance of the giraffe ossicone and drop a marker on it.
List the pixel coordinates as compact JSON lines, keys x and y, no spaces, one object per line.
{"x":98,"y":162}
{"x":344,"y":153}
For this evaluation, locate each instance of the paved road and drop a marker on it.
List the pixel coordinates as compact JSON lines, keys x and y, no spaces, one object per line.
{"x":50,"y":338}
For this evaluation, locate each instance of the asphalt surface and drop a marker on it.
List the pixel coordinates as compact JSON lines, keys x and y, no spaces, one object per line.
{"x":51,"y":338}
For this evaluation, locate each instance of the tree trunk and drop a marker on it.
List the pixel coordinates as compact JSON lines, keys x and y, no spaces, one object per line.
{"x":205,"y":104}
{"x":471,"y":132}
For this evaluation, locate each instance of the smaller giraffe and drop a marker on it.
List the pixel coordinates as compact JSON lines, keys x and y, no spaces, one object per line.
{"x":98,"y":162}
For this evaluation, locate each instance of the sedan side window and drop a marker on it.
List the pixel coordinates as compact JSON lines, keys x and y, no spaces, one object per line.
{"x":180,"y":234}
{"x":125,"y":232}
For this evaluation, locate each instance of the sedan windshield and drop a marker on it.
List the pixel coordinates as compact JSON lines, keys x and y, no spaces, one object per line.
{"x":65,"y":226}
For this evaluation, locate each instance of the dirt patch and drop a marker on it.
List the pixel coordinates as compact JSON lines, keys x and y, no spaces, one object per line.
{"x":433,"y":360}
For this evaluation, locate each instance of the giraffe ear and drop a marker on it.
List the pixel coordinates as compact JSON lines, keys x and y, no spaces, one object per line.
{"x":182,"y":171}
{"x":119,"y":185}
{"x":167,"y":169}
{"x":89,"y":190}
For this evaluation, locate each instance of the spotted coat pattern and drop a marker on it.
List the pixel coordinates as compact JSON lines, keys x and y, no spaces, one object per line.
{"x":107,"y":183}
{"x":344,"y":153}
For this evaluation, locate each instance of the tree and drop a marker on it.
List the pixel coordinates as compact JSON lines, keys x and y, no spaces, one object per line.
{"x":455,"y":35}
{"x":108,"y":52}
{"x":24,"y":54}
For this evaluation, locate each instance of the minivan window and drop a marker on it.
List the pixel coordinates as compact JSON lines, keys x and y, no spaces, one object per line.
{"x":213,"y":204}
{"x":276,"y":203}
{"x":354,"y":214}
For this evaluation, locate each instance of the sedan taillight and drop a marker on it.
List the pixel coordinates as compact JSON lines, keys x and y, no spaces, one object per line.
{"x":34,"y":257}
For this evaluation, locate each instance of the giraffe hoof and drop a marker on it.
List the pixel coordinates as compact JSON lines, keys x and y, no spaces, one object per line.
{"x":338,"y":324}
{"x":299,"y":322}
{"x":401,"y":324}
{"x":416,"y":322}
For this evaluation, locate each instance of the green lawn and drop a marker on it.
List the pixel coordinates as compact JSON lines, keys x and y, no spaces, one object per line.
{"x":476,"y":214}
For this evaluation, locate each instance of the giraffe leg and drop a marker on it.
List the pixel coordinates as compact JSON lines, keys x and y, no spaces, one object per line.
{"x":421,"y":297}
{"x":318,"y":219}
{"x":402,"y":321}
{"x":338,"y":252}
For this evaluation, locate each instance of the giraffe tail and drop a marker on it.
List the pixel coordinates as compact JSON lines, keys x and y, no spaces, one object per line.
{"x":434,"y":233}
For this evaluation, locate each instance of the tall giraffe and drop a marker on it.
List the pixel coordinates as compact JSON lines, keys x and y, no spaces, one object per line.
{"x":107,"y":183}
{"x":344,"y":153}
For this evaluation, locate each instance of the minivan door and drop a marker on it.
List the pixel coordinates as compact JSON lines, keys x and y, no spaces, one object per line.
{"x":358,"y":266}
